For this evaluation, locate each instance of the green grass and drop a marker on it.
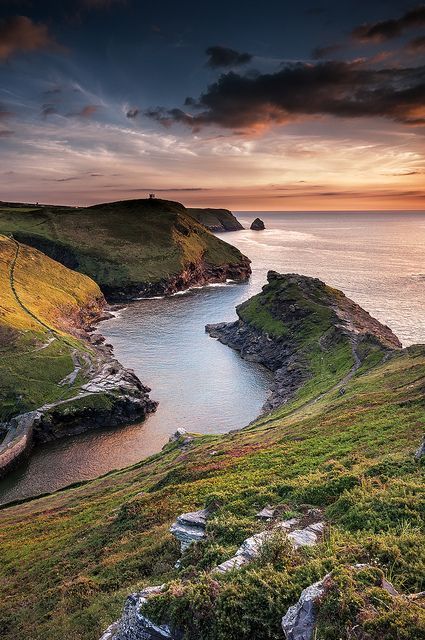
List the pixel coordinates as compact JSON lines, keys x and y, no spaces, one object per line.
{"x":124,"y":244}
{"x":75,"y":555}
{"x":37,"y":354}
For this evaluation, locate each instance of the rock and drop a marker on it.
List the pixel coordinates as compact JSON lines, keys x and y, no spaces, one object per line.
{"x":133,"y":625}
{"x":257,"y":225}
{"x":420,"y":453}
{"x":181,"y":436}
{"x":299,"y":621}
{"x":189,"y":527}
{"x":267,"y":513}
{"x":251,"y":547}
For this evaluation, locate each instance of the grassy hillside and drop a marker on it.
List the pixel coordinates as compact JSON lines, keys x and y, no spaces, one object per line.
{"x":216,"y":219}
{"x":73,"y":557}
{"x":41,"y":305}
{"x":127,"y":246}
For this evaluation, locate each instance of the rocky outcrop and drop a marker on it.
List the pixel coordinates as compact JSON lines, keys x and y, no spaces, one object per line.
{"x":291,"y":302}
{"x":189,"y":527}
{"x":300,"y":620}
{"x":257,"y":225}
{"x":18,"y":440}
{"x":251,"y":547}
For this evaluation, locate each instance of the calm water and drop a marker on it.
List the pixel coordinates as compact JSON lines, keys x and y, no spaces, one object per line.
{"x":377,"y":259}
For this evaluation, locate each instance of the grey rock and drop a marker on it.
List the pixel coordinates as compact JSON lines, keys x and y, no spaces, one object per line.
{"x":133,"y":625}
{"x":267,"y":513}
{"x":189,"y":527}
{"x":299,"y":621}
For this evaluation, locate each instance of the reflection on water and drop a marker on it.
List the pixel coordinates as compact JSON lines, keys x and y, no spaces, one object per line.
{"x":378,"y":259}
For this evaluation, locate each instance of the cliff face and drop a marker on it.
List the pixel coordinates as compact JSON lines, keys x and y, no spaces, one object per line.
{"x":295,"y":325}
{"x":54,"y":378}
{"x":131,"y":248}
{"x":217,"y":220}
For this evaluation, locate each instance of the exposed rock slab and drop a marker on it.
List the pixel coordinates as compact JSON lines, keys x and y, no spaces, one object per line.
{"x":300,"y":620}
{"x":189,"y":527}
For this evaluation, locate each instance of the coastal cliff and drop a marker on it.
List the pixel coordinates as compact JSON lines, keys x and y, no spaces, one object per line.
{"x":56,"y":377}
{"x":295,"y":523}
{"x":216,"y":220}
{"x":295,"y":326}
{"x":133,"y":248}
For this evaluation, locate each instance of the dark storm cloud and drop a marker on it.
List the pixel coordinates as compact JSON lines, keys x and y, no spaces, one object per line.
{"x":20,"y":34}
{"x":220,"y":57}
{"x":417,"y":45}
{"x":325,"y":52}
{"x":328,"y":88}
{"x":388,"y":29}
{"x":132,"y":113}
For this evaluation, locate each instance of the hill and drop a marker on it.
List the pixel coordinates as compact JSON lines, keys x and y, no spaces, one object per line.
{"x":130,"y":248}
{"x":216,"y":220}
{"x":328,"y":480}
{"x":51,"y":375}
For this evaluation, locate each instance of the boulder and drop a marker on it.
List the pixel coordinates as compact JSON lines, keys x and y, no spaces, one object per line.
{"x":257,"y":225}
{"x":420,"y":453}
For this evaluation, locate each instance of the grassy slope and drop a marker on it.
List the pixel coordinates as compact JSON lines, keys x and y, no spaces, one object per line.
{"x":29,"y":370}
{"x":119,"y":244}
{"x":75,"y":555}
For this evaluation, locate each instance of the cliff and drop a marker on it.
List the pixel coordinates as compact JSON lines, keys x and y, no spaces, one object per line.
{"x":54,"y":378}
{"x":217,"y":220}
{"x":301,"y":517}
{"x":131,"y":248}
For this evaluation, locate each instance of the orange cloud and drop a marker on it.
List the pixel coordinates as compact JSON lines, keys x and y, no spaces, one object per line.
{"x":19,"y":34}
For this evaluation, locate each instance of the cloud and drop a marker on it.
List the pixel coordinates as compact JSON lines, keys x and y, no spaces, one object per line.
{"x":325,"y":52}
{"x":417,"y":45}
{"x":86,"y":112}
{"x":132,"y":113}
{"x":48,"y":110}
{"x":219,"y":57}
{"x":344,"y":89}
{"x":20,"y":34}
{"x":388,"y":29}
{"x":5,"y":133}
{"x":5,"y":113}
{"x":101,"y":4}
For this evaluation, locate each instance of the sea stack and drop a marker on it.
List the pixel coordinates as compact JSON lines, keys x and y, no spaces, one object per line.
{"x":258,"y":225}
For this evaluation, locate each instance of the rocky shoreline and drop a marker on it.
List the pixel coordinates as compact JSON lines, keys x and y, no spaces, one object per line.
{"x":195,"y":274}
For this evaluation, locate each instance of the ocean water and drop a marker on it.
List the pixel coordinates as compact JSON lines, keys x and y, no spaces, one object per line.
{"x":377,"y":259}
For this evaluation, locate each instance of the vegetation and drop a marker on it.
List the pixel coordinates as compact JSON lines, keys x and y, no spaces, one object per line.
{"x":121,"y":245}
{"x":70,"y":559}
{"x":41,"y":307}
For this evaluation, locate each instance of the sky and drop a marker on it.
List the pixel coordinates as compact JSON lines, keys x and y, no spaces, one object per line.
{"x":286,"y":106}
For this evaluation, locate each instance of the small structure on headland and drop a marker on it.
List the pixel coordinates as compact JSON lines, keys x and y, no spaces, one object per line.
{"x":151,"y":196}
{"x":258,"y":225}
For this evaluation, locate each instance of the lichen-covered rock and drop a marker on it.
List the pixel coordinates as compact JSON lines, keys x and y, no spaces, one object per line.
{"x":189,"y":527}
{"x":267,"y":513}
